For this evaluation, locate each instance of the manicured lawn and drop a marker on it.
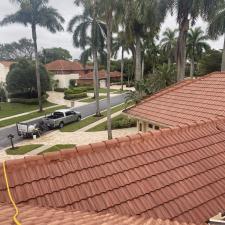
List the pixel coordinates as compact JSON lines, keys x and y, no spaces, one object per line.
{"x":89,"y":120}
{"x":22,"y":150}
{"x":115,"y":120}
{"x":11,"y":109}
{"x":57,"y":148}
{"x":28,"y":117}
{"x":103,"y":90}
{"x":89,"y":100}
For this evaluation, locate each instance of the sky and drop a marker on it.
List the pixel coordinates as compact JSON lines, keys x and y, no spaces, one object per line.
{"x":67,"y":9}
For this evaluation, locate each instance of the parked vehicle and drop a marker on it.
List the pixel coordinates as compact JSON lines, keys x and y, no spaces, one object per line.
{"x":61,"y":117}
{"x":27,"y":130}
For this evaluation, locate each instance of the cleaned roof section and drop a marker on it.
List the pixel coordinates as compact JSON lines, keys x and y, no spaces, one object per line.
{"x":65,"y":65}
{"x":202,"y":99}
{"x":176,"y":173}
{"x":33,"y":215}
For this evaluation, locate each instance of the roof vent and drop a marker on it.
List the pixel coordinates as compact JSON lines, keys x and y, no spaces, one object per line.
{"x":217,"y":220}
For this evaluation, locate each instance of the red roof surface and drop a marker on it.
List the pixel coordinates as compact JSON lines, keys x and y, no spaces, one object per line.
{"x":175,"y":173}
{"x":101,"y":74}
{"x":201,"y":99}
{"x":64,"y":65}
{"x":7,"y":63}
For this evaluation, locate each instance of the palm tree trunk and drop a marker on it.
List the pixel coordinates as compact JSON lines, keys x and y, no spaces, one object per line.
{"x":181,"y":49}
{"x":108,"y":43}
{"x":122,"y":68}
{"x":223,"y":58}
{"x":143,"y":69}
{"x":96,"y":81}
{"x":34,"y":36}
{"x":138,"y":59}
{"x":192,"y":69}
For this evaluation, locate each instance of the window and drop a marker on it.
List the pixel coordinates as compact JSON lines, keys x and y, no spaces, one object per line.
{"x":156,"y":127}
{"x":69,"y":113}
{"x":150,"y":125}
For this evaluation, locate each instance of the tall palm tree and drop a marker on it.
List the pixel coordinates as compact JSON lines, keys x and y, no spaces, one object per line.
{"x":121,"y":43}
{"x":196,"y":45}
{"x":142,"y":18}
{"x":108,"y":9}
{"x":188,"y":11}
{"x":168,"y":43}
{"x":80,"y":26}
{"x":36,"y":13}
{"x":217,"y":28}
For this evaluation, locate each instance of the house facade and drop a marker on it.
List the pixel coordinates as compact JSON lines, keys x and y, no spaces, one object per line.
{"x":183,"y":103}
{"x":4,"y":69}
{"x":63,"y":71}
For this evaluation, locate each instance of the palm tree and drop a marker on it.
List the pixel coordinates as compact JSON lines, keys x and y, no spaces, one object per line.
{"x":36,"y":13}
{"x":108,"y":9}
{"x":196,"y":45}
{"x":188,"y":11}
{"x":142,"y":18}
{"x":168,"y":43}
{"x":80,"y":25}
{"x":217,"y":28}
{"x":120,"y":43}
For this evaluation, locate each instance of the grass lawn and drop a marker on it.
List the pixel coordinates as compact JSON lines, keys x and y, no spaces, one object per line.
{"x":11,"y":109}
{"x":89,"y":100}
{"x":57,"y":148}
{"x":103,"y":90}
{"x":89,"y":120}
{"x":28,"y":117}
{"x":103,"y":126}
{"x":22,"y":150}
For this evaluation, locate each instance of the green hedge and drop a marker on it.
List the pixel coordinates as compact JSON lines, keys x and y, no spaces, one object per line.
{"x":28,"y":101}
{"x":60,"y":89}
{"x":75,"y":96}
{"x":121,"y":122}
{"x":75,"y":91}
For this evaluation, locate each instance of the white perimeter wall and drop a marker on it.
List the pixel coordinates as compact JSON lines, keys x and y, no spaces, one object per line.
{"x":3,"y":73}
{"x":64,"y":79}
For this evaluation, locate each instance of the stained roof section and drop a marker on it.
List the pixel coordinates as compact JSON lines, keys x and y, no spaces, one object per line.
{"x":201,"y":99}
{"x":175,"y":174}
{"x":101,"y":74}
{"x":65,"y":65}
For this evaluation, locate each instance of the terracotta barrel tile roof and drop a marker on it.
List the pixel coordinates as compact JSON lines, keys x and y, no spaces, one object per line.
{"x":191,"y":100}
{"x":7,"y":63}
{"x":33,"y":215}
{"x":175,"y":174}
{"x":101,"y":74}
{"x":64,"y":65}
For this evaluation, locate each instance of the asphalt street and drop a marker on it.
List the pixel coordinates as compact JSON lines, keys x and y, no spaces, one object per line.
{"x":86,"y":110}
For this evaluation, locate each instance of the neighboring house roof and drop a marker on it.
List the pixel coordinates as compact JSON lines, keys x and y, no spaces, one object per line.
{"x":101,"y":75}
{"x":191,"y":100}
{"x":175,"y":173}
{"x":34,"y":215}
{"x":65,"y":65}
{"x":7,"y":63}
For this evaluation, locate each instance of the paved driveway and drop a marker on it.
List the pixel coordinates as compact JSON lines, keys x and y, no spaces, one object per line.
{"x":85,"y":110}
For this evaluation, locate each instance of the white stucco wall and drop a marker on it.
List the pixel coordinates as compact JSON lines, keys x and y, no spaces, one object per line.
{"x":3,"y":73}
{"x":64,"y":79}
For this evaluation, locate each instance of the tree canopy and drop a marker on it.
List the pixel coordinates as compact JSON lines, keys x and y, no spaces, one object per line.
{"x":24,"y":48}
{"x":48,"y":55}
{"x":22,"y":79}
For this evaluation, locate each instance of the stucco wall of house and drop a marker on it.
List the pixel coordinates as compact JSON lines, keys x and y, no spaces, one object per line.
{"x":64,"y":79}
{"x":3,"y":73}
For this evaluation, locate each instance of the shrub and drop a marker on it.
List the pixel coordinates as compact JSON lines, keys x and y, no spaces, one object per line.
{"x":30,"y":101}
{"x":121,"y":122}
{"x":72,"y":83}
{"x":2,"y":95}
{"x":75,"y":96}
{"x":75,"y":91}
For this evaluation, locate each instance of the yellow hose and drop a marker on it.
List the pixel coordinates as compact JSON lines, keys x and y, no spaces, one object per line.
{"x":10,"y":196}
